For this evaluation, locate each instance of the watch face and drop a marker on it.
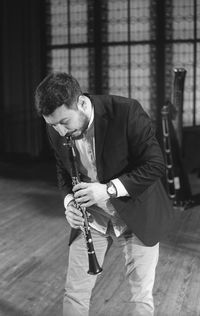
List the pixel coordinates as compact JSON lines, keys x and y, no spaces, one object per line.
{"x":111,"y":190}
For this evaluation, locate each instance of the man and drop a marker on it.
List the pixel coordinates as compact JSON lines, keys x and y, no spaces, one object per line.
{"x":121,"y":164}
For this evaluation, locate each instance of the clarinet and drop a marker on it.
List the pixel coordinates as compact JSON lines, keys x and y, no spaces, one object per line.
{"x":179,"y":80}
{"x":170,"y":179}
{"x":94,"y":267}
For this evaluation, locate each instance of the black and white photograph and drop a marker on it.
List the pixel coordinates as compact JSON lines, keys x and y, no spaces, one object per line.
{"x":100,"y":158}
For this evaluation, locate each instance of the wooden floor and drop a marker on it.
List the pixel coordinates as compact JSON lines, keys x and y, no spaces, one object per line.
{"x":34,"y":250}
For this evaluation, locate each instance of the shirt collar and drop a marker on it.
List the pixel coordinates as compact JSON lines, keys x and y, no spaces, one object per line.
{"x":91,"y":114}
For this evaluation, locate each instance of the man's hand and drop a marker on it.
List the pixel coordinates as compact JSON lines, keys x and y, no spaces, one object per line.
{"x":88,"y":194}
{"x":74,"y":216}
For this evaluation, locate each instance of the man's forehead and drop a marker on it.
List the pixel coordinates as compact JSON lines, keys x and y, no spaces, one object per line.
{"x":61,"y":113}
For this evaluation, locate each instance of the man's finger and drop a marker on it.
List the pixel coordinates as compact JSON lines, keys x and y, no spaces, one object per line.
{"x":80,"y":193}
{"x":79,"y":186}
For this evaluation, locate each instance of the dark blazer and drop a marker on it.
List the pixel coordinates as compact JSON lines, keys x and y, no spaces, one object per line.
{"x":126,"y":148}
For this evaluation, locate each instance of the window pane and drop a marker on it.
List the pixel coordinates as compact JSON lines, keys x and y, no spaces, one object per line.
{"x":140,"y":20}
{"x":59,"y":60}
{"x":140,"y":74}
{"x":118,"y":70}
{"x":58,"y":22}
{"x":198,"y":86}
{"x":60,"y":25}
{"x":183,"y":19}
{"x":117,"y":20}
{"x":79,"y":66}
{"x":78,"y":21}
{"x":198,"y":20}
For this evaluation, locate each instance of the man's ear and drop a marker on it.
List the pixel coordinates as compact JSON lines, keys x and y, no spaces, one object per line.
{"x":82,"y":104}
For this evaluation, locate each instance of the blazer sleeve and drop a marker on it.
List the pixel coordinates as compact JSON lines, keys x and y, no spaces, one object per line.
{"x":63,"y":177}
{"x":146,"y":159}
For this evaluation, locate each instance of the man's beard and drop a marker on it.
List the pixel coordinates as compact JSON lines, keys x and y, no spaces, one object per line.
{"x":81,"y":131}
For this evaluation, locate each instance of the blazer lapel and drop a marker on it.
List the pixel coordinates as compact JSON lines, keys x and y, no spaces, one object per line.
{"x":100,"y":130}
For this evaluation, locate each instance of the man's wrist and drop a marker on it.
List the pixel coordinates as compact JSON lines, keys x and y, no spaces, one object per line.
{"x":111,"y":190}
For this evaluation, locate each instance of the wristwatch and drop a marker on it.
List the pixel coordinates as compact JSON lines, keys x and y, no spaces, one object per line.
{"x":111,"y":190}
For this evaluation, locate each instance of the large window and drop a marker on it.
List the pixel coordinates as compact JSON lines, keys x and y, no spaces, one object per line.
{"x":67,"y":29}
{"x":114,"y":46}
{"x":130,"y":40}
{"x":183,"y":51}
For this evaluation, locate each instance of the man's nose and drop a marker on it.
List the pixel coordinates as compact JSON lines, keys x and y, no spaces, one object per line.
{"x":62,"y":130}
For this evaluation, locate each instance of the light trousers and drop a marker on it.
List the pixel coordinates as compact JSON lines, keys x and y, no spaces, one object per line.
{"x":140,"y":266}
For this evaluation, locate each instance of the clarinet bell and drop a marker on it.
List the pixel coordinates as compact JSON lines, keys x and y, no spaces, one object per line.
{"x":94,"y":267}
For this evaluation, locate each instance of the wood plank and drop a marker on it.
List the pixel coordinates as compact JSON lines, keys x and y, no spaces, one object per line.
{"x":34,"y":251}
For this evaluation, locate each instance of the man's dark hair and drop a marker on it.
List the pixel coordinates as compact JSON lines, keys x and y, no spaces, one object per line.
{"x":55,"y":90}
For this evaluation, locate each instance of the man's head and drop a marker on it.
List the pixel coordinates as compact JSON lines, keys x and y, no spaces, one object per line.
{"x":60,"y":101}
{"x":55,"y":90}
